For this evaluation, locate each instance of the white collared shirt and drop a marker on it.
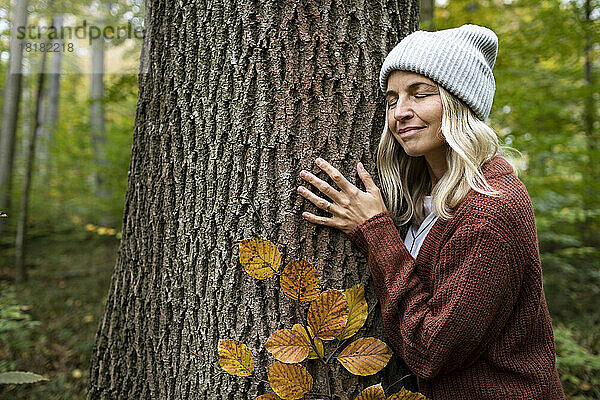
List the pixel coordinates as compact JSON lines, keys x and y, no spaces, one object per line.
{"x":420,"y":232}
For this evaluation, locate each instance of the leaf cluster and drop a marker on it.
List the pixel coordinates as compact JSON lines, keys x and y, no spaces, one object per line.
{"x":332,"y":315}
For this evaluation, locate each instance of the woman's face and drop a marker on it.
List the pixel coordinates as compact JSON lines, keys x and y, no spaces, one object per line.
{"x":414,"y":114}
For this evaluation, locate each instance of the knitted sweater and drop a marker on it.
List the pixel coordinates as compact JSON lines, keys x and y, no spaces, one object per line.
{"x":469,"y":316}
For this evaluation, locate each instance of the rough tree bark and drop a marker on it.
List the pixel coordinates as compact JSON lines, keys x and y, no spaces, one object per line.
{"x":239,"y":97}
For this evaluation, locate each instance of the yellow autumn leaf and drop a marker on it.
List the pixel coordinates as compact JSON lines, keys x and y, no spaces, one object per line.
{"x":318,"y":342}
{"x":374,"y":392}
{"x":328,"y":314}
{"x":3,"y":214}
{"x":288,"y":346}
{"x":365,"y":356}
{"x":357,"y":311}
{"x":268,"y":396}
{"x":259,"y":257}
{"x":235,"y":358}
{"x":300,"y":281}
{"x":407,"y":395}
{"x":289,"y":381}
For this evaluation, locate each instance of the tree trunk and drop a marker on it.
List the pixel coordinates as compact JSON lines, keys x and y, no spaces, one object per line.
{"x":589,"y":227}
{"x":50,"y":119}
{"x":10,"y":107}
{"x":20,"y":270}
{"x":426,"y":15}
{"x":238,"y":99}
{"x":97,"y":120}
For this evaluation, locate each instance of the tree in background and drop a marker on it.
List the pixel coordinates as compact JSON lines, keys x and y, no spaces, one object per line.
{"x":238,"y":99}
{"x":12,"y":98}
{"x":426,"y":15}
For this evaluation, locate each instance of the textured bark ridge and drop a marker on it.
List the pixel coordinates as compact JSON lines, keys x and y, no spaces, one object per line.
{"x":239,"y":97}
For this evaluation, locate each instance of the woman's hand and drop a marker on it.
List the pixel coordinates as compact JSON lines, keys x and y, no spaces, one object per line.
{"x":350,"y":206}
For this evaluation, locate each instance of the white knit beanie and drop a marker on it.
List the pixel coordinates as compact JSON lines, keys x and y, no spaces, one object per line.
{"x":460,"y":60}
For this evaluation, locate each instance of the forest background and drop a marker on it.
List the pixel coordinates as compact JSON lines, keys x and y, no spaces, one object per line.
{"x":546,"y":106}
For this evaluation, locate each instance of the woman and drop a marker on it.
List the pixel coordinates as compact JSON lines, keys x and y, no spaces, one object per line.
{"x":461,"y":294}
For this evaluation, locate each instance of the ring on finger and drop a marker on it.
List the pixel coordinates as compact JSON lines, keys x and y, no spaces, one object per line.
{"x":327,"y":207}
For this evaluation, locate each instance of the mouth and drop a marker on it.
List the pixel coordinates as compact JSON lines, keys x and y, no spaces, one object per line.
{"x":411,"y":131}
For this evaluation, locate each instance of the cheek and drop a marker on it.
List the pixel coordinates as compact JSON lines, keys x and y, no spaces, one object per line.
{"x":390,"y":119}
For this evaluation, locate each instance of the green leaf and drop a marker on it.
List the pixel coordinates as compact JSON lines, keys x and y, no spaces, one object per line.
{"x":19,"y":377}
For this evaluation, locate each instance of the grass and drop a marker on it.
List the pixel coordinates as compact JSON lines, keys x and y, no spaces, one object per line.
{"x":69,"y":276}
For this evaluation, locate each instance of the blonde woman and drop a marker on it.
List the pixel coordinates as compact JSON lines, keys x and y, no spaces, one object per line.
{"x":460,"y":286}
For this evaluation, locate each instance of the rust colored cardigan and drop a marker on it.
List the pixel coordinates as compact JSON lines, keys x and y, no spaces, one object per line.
{"x":469,"y":316}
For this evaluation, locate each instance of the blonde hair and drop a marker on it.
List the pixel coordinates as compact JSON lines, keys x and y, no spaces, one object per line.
{"x":470,"y":143}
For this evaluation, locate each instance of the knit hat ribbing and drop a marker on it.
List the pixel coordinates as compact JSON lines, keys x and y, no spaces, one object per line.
{"x":459,"y":59}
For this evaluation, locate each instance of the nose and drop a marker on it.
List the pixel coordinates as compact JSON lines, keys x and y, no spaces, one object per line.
{"x":402,"y":112}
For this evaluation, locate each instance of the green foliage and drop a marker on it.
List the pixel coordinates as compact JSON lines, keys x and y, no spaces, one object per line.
{"x":580,"y":370}
{"x":15,"y":327}
{"x":19,"y":377}
{"x":69,"y":279}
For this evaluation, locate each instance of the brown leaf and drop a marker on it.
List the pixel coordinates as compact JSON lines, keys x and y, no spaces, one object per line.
{"x":407,"y":395}
{"x":374,"y":392}
{"x":289,"y":381}
{"x":318,"y":342}
{"x":300,"y":281}
{"x":235,"y":358}
{"x":365,"y":356}
{"x":288,"y":346}
{"x":357,"y":311}
{"x":259,"y":257}
{"x":328,"y":314}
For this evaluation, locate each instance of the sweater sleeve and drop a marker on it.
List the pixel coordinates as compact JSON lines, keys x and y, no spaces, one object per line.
{"x":470,"y":300}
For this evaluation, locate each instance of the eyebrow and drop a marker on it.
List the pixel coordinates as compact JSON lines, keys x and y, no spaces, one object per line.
{"x":389,"y":91}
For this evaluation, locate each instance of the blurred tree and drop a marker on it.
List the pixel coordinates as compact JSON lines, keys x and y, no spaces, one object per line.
{"x":426,"y":15}
{"x":50,"y":113}
{"x":97,"y":118}
{"x":20,"y":271}
{"x":238,"y":98}
{"x":10,"y":107}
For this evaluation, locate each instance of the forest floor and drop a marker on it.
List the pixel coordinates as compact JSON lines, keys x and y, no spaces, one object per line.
{"x":69,"y":277}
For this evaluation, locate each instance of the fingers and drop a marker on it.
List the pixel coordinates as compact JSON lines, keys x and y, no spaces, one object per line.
{"x":317,"y":219}
{"x":336,"y":176}
{"x":366,"y":178}
{"x":317,"y":201}
{"x":320,"y":184}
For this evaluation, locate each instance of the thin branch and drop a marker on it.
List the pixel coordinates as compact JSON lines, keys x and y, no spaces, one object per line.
{"x":337,"y":348}
{"x":398,"y":381}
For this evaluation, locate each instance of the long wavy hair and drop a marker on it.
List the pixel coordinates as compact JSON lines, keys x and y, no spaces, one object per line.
{"x":406,"y":181}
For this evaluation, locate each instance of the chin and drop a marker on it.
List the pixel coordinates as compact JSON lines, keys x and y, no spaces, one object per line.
{"x":412,"y":152}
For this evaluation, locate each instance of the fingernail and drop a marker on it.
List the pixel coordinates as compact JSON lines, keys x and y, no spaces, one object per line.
{"x":361,"y":166}
{"x":301,"y":189}
{"x":303,"y":173}
{"x":319,"y":161}
{"x":305,"y":214}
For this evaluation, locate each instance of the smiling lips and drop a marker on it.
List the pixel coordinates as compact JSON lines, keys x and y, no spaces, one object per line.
{"x":409,"y":131}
